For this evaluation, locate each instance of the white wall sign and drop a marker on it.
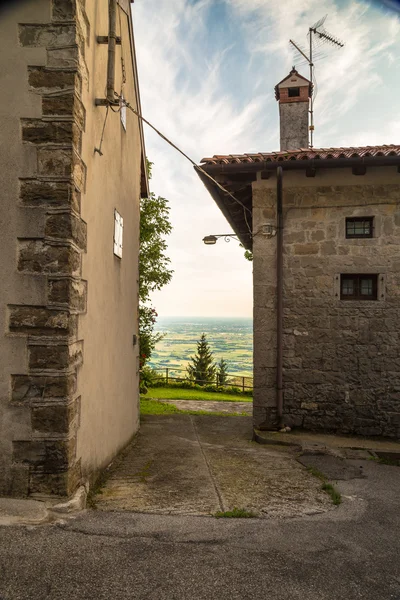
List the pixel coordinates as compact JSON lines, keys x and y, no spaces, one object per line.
{"x":118,"y":233}
{"x":123,"y":112}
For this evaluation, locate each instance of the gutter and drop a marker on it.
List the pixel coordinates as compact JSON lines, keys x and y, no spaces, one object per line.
{"x":309,"y":163}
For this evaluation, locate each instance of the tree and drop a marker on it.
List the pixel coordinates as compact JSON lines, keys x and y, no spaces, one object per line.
{"x":154,"y":271}
{"x":203,"y":369}
{"x":222,"y":372}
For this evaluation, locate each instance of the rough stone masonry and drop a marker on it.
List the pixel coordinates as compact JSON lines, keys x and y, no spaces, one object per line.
{"x":43,"y":404}
{"x":341,"y":357}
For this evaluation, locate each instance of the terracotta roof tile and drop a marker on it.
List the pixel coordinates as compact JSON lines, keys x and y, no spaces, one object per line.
{"x":304,"y":154}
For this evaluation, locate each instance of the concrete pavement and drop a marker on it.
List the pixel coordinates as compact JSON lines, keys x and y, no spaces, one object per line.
{"x":351,"y":552}
{"x":198,"y":465}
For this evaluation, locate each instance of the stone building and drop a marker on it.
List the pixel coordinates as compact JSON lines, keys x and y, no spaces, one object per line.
{"x":324,"y":228}
{"x":69,"y":241}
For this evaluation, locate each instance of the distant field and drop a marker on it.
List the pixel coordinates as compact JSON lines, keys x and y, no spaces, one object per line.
{"x":230,"y":339}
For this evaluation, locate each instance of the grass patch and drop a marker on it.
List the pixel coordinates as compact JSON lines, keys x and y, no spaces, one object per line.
{"x":96,"y":489}
{"x":153,"y":407}
{"x":326,"y":487}
{"x":316,"y":473}
{"x":187,"y":394}
{"x":333,"y":493}
{"x":236,"y":513}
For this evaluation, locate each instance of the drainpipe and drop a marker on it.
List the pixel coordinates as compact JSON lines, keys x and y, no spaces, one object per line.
{"x":279,"y":295}
{"x":112,"y":41}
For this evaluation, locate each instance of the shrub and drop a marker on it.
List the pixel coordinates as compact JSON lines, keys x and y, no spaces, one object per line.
{"x":150,"y":378}
{"x":210,"y":388}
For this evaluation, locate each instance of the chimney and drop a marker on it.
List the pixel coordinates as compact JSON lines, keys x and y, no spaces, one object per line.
{"x":293,"y":94}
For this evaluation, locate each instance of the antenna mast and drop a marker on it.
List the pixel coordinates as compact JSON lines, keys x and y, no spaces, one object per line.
{"x":323,"y":36}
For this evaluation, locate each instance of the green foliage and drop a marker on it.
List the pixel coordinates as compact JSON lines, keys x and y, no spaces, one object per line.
{"x":203,"y":369}
{"x":222,"y":372}
{"x":326,"y":487}
{"x":248,"y":255}
{"x":236,"y":513}
{"x":154,"y":271}
{"x":333,"y":493}
{"x":151,"y":378}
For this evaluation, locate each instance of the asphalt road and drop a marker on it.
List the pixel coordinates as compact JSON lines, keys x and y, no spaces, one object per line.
{"x":351,"y":552}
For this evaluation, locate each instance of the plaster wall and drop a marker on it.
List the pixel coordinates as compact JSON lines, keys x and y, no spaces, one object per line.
{"x":16,"y":159}
{"x":341,"y":358}
{"x":108,"y":380}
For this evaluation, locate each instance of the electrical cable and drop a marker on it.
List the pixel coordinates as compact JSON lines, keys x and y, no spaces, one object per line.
{"x":102,"y":133}
{"x":197,"y":167}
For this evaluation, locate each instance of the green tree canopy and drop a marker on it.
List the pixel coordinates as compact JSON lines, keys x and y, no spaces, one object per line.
{"x":154,"y":269}
{"x":222,"y":372}
{"x":203,"y":369}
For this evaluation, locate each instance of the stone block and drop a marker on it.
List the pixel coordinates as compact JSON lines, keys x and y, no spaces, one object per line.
{"x":37,"y":131}
{"x":65,"y":105}
{"x":55,"y":418}
{"x":301,"y":249}
{"x":68,"y":292}
{"x":67,"y":57}
{"x":36,"y":192}
{"x":67,"y":226}
{"x":35,"y":256}
{"x":63,"y":10}
{"x":309,"y":406}
{"x":48,"y":456}
{"x":56,"y":357}
{"x":47,"y":36}
{"x":56,"y":484}
{"x":44,"y":79}
{"x":39,"y":388}
{"x":38,"y":320}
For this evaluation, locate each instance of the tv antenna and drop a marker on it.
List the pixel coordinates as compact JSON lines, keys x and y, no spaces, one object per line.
{"x":318,"y":36}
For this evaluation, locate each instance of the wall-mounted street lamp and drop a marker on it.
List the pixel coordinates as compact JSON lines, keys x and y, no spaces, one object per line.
{"x":210,"y":240}
{"x":268,"y":229}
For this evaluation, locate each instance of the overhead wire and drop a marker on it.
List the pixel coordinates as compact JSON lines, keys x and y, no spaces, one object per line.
{"x":196,"y":166}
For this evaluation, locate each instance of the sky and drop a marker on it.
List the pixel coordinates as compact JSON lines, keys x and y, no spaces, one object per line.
{"x":207,"y":71}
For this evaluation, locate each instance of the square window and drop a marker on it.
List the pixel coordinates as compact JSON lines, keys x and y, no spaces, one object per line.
{"x":294,"y":92}
{"x":359,"y":227}
{"x":359,"y":287}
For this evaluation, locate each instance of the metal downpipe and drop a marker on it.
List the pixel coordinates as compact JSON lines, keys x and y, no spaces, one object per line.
{"x":279,"y":296}
{"x":112,"y":41}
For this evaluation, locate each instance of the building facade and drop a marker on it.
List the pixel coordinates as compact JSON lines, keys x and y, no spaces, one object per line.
{"x":324,"y":228}
{"x":73,"y":171}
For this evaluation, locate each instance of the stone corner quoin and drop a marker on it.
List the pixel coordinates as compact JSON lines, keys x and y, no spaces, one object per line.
{"x":44,"y":462}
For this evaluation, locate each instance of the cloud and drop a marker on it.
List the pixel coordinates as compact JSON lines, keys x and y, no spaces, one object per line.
{"x":207,"y":70}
